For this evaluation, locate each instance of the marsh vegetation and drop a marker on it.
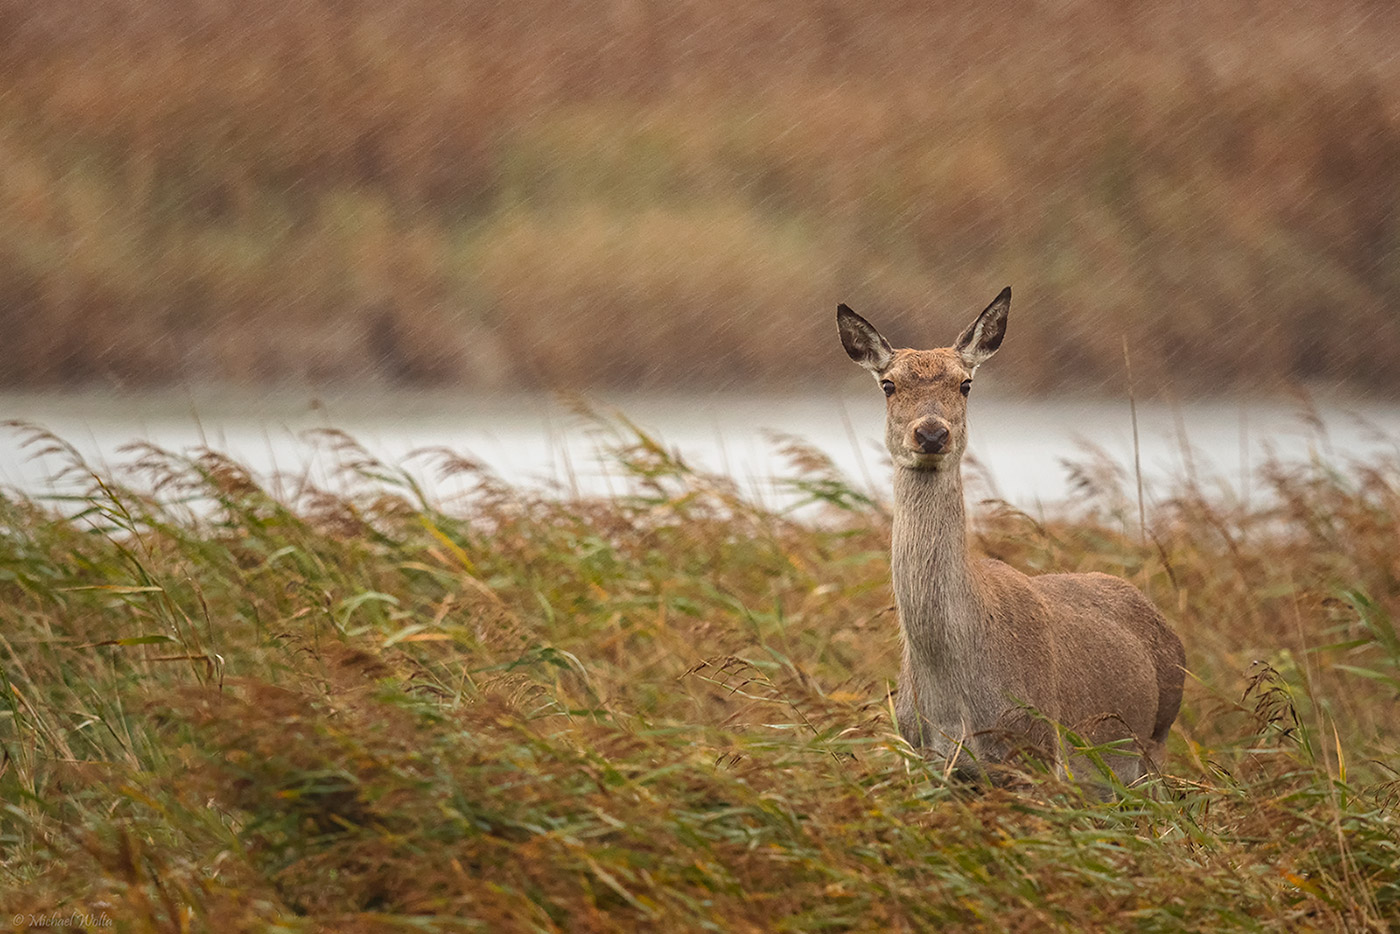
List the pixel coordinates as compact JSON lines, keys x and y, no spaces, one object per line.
{"x":358,"y":708}
{"x":535,"y":194}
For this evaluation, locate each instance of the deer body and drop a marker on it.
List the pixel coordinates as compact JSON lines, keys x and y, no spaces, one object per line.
{"x":992,"y":656}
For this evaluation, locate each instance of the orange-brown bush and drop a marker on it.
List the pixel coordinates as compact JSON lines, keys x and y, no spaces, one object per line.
{"x":539,"y":193}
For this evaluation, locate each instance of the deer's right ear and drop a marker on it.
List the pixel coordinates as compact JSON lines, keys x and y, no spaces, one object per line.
{"x":983,"y":336}
{"x":863,"y":343}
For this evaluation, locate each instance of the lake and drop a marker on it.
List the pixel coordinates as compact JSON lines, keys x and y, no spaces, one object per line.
{"x":535,"y":440}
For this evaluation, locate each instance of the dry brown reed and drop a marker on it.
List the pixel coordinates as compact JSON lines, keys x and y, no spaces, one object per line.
{"x":535,"y":193}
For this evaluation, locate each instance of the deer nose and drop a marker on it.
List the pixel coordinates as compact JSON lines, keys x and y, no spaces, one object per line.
{"x":931,"y":437}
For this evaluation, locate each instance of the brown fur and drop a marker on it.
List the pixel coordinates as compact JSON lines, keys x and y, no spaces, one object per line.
{"x":993,"y":657}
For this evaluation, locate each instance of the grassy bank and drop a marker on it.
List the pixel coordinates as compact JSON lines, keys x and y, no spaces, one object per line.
{"x":544,"y":194}
{"x":367,"y":711}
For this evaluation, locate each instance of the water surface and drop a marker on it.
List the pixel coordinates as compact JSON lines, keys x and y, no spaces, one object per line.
{"x":1020,"y":446}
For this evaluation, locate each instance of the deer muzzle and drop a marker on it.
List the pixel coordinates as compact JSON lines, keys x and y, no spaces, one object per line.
{"x":927,"y":436}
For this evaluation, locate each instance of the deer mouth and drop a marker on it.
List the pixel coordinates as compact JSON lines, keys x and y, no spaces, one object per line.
{"x":918,"y":460}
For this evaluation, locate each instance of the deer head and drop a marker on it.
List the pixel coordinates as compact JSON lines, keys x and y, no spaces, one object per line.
{"x":926,"y":390}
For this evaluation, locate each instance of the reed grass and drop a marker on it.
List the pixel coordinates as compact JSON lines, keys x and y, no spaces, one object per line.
{"x":538,"y":194}
{"x":357,"y":708}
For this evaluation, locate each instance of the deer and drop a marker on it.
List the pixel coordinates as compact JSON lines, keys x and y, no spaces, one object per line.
{"x":996,"y":662}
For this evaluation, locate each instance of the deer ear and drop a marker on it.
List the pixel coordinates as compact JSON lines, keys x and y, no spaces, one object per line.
{"x":863,"y":343}
{"x":982,"y":338}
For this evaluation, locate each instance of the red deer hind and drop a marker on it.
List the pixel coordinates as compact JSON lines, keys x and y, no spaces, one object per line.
{"x":993,"y":657}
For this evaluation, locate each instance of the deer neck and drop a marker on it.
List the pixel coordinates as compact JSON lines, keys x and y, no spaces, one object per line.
{"x":941,"y":608}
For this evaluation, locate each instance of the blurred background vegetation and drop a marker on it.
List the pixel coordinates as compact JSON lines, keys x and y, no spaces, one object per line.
{"x":489,"y":195}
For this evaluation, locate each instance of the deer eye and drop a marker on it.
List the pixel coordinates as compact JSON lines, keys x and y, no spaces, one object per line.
{"x":966,"y":386}
{"x":887,"y":386}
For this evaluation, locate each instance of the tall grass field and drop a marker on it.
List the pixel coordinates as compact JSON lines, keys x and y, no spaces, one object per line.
{"x":234,"y":703}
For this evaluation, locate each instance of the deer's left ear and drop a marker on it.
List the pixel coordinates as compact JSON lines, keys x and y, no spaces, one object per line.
{"x":863,"y":343}
{"x":982,"y":338}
